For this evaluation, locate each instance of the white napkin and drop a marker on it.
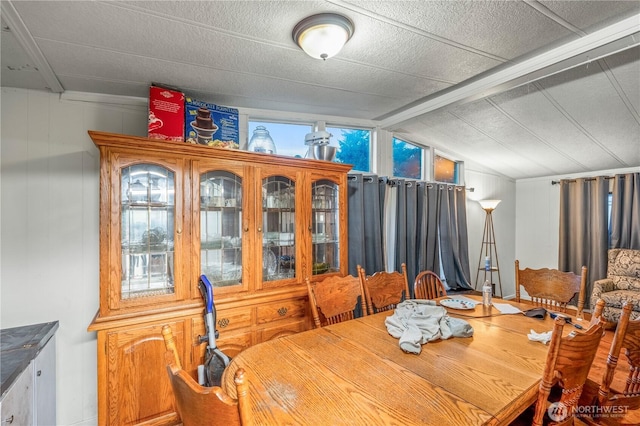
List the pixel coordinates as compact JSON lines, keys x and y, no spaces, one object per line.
{"x":543,"y":338}
{"x":506,"y":308}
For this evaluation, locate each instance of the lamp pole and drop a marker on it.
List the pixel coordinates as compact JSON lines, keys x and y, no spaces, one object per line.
{"x":488,"y":250}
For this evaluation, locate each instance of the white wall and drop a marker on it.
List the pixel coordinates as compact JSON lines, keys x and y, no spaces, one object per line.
{"x":492,"y":187}
{"x":49,"y":229}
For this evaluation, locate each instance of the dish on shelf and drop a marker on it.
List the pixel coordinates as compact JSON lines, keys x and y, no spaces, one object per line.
{"x":269,"y":262}
{"x":320,"y":268}
{"x":218,"y":242}
{"x":319,"y":237}
{"x":225,"y":272}
{"x":287,"y":262}
{"x":153,"y":236}
{"x":457,"y":304}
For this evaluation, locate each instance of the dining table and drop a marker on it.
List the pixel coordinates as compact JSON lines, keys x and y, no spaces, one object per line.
{"x":355,"y":373}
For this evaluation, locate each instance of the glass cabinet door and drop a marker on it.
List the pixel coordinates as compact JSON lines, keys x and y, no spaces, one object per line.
{"x":147,"y":231}
{"x":325,"y":232}
{"x":221,"y":228}
{"x":279,"y":227}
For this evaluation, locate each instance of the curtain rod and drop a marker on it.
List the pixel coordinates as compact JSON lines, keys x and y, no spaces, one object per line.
{"x":409,"y":183}
{"x":557,"y":182}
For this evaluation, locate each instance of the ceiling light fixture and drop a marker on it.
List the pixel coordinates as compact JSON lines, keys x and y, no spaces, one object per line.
{"x":323,"y":36}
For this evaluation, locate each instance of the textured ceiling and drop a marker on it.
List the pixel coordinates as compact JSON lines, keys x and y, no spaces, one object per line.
{"x":427,"y":70}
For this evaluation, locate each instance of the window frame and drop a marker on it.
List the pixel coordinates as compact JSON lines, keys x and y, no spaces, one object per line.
{"x":458,"y":172}
{"x":371,"y":131}
{"x":422,"y":157}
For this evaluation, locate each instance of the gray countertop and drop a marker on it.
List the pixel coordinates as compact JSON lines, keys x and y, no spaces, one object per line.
{"x":19,"y":346}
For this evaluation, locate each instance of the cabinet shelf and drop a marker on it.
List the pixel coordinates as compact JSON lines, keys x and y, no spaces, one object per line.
{"x":145,"y":205}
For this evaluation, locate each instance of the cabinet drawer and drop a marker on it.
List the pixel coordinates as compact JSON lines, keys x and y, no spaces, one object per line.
{"x":281,"y":330}
{"x":230,"y":319}
{"x":284,"y":309}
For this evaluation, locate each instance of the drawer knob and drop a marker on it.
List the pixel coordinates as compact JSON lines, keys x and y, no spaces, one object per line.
{"x":223,"y":322}
{"x":282,"y":311}
{"x":8,"y":420}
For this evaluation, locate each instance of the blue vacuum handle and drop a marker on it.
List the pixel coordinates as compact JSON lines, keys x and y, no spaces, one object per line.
{"x":206,"y":289}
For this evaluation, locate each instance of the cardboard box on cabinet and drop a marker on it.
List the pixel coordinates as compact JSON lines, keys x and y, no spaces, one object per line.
{"x":166,"y":114}
{"x":210,"y":124}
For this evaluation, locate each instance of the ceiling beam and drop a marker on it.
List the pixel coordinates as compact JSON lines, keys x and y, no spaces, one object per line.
{"x":614,"y":38}
{"x":19,"y":29}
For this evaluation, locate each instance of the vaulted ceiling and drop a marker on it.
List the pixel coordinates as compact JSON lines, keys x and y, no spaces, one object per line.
{"x":518,"y":88}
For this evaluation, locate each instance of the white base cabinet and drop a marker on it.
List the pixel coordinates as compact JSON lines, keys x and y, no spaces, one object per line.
{"x":17,"y":405}
{"x":44,"y":385}
{"x":30,"y":397}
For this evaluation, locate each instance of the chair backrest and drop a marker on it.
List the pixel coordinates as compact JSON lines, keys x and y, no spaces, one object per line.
{"x":170,"y":344}
{"x":568,"y":362}
{"x":199,"y":405}
{"x":551,"y":288}
{"x":428,"y":286}
{"x":596,"y":315}
{"x":623,"y":268}
{"x":384,"y":290}
{"x":627,"y":336}
{"x":336,"y":299}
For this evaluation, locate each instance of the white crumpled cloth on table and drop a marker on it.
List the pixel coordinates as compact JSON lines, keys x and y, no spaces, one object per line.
{"x":543,"y":338}
{"x":416,"y":322}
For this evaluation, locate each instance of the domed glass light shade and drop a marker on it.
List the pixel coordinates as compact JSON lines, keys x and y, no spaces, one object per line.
{"x":323,"y":36}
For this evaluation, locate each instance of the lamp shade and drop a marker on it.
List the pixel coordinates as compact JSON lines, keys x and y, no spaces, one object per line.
{"x":323,"y":36}
{"x":489,"y":205}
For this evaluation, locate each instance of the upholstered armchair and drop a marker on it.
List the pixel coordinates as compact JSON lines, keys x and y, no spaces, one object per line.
{"x":621,"y":285}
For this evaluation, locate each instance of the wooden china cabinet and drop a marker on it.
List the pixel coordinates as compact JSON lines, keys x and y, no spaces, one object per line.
{"x":256,"y":224}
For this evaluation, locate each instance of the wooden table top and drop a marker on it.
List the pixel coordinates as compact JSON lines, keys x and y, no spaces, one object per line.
{"x":354,"y":373}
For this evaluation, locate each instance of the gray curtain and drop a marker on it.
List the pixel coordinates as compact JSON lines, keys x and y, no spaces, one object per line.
{"x":366,"y":218}
{"x":428,"y":252}
{"x":431,"y":227}
{"x":583,"y":228}
{"x":428,"y":222}
{"x":454,"y":241}
{"x":625,"y":211}
{"x":407,"y":227}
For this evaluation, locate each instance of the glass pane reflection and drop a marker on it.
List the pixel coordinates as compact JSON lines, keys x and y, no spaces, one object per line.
{"x":147,"y":230}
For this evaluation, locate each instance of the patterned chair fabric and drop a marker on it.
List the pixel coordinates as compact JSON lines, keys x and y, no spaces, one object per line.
{"x":621,"y":285}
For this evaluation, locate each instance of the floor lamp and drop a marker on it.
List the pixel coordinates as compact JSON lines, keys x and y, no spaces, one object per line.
{"x":489,"y":251}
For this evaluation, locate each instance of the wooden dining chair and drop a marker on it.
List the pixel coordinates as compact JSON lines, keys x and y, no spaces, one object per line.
{"x":569,"y":360}
{"x":552,"y":289}
{"x":428,"y":285}
{"x":336,"y":299}
{"x":627,"y":337}
{"x":384,"y":290}
{"x":199,"y":405}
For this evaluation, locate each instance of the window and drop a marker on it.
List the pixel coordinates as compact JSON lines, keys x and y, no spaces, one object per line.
{"x":407,"y":159}
{"x":354,"y":147}
{"x":445,"y":170}
{"x":288,"y":138}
